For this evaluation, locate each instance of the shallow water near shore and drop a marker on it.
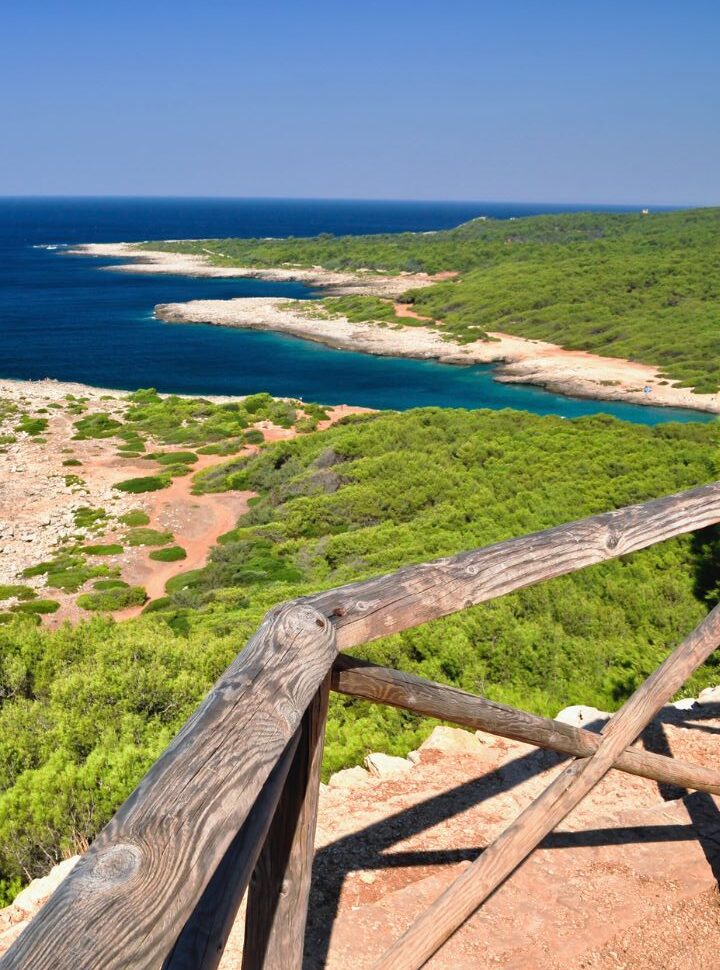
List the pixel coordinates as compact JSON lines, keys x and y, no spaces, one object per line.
{"x":68,"y":318}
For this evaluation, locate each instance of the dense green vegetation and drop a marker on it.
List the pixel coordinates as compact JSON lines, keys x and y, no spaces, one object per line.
{"x":642,"y":287}
{"x":85,"y":711}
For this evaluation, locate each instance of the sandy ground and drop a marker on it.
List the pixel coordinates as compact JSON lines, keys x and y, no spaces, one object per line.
{"x":38,"y":500}
{"x":628,"y":881}
{"x":576,"y":373}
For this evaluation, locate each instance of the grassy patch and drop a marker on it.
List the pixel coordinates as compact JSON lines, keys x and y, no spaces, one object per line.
{"x":31,"y":426}
{"x":70,"y":580}
{"x":107,"y":601}
{"x":147,"y":483}
{"x":37,"y":607}
{"x":173,"y":457}
{"x":17,"y":591}
{"x":96,"y":426}
{"x":112,"y":549}
{"x":188,"y":580}
{"x":89,"y":518}
{"x":135,"y":517}
{"x":105,"y":584}
{"x":171,"y":554}
{"x":148,"y":537}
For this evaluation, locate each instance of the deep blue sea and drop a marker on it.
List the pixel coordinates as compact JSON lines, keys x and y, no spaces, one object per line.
{"x":65,"y":317}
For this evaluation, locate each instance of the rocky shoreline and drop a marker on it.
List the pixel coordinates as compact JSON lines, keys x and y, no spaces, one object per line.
{"x":572,"y":372}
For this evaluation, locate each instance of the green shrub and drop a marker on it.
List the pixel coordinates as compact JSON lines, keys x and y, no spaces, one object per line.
{"x":107,"y":601}
{"x":254,"y":436}
{"x":70,"y":580}
{"x":171,"y":554}
{"x":148,"y":483}
{"x":148,"y":537}
{"x":37,"y":607}
{"x":88,"y":518}
{"x":135,"y":517}
{"x":96,"y":426}
{"x":156,"y":606}
{"x":189,"y":580}
{"x":104,"y":584}
{"x":173,"y":457}
{"x":112,"y":549}
{"x":31,"y":426}
{"x":72,"y":462}
{"x":17,"y":591}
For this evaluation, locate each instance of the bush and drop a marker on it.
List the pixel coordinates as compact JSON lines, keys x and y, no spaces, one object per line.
{"x":134,"y":518}
{"x":37,"y":607}
{"x":96,"y":426}
{"x":105,"y":584}
{"x":189,"y":580}
{"x":148,"y":537}
{"x":17,"y":591}
{"x":113,"y":549}
{"x":31,"y":426}
{"x":173,"y":457}
{"x":148,"y":483}
{"x":161,"y":603}
{"x":107,"y":601}
{"x":87,"y":518}
{"x":171,"y":554}
{"x":70,"y":580}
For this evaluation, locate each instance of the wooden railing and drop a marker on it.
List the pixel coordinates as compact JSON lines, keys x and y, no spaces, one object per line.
{"x":231,"y":805}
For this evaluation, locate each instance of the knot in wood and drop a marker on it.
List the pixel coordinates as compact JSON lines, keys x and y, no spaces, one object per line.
{"x":116,"y":864}
{"x":613,"y":539}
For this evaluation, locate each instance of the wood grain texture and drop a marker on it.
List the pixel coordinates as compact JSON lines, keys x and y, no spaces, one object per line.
{"x":131,"y":894}
{"x":367,"y":610}
{"x":398,"y":689}
{"x":479,"y":880}
{"x":203,"y":938}
{"x":280,"y":889}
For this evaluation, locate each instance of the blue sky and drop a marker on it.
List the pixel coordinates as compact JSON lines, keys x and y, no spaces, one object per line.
{"x":511,"y":100}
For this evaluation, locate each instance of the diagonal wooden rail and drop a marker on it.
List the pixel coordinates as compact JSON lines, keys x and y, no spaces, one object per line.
{"x":145,"y":888}
{"x":473,"y":887}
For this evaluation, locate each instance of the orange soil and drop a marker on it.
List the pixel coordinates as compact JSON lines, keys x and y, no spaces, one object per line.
{"x":403,"y":310}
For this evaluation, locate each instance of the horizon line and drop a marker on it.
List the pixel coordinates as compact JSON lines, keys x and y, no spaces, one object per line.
{"x":356,"y":200}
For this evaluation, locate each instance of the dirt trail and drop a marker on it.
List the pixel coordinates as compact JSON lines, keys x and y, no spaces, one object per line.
{"x":196,"y":522}
{"x":405,"y":310}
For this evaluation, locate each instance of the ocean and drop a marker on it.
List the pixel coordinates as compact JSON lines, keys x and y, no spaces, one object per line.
{"x":66,"y":317}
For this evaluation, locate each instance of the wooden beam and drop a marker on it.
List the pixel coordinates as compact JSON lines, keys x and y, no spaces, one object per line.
{"x":478,"y":881}
{"x":367,"y":610}
{"x":135,"y":888}
{"x":204,"y":937}
{"x":280,"y":889}
{"x":138,"y":884}
{"x":358,"y":678}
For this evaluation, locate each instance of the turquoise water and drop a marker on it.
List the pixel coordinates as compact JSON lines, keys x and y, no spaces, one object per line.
{"x":66,"y":317}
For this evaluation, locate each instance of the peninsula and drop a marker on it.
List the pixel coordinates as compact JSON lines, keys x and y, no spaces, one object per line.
{"x":611,"y":307}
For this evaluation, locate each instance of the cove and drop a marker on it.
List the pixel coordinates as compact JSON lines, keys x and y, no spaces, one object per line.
{"x":73,"y":318}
